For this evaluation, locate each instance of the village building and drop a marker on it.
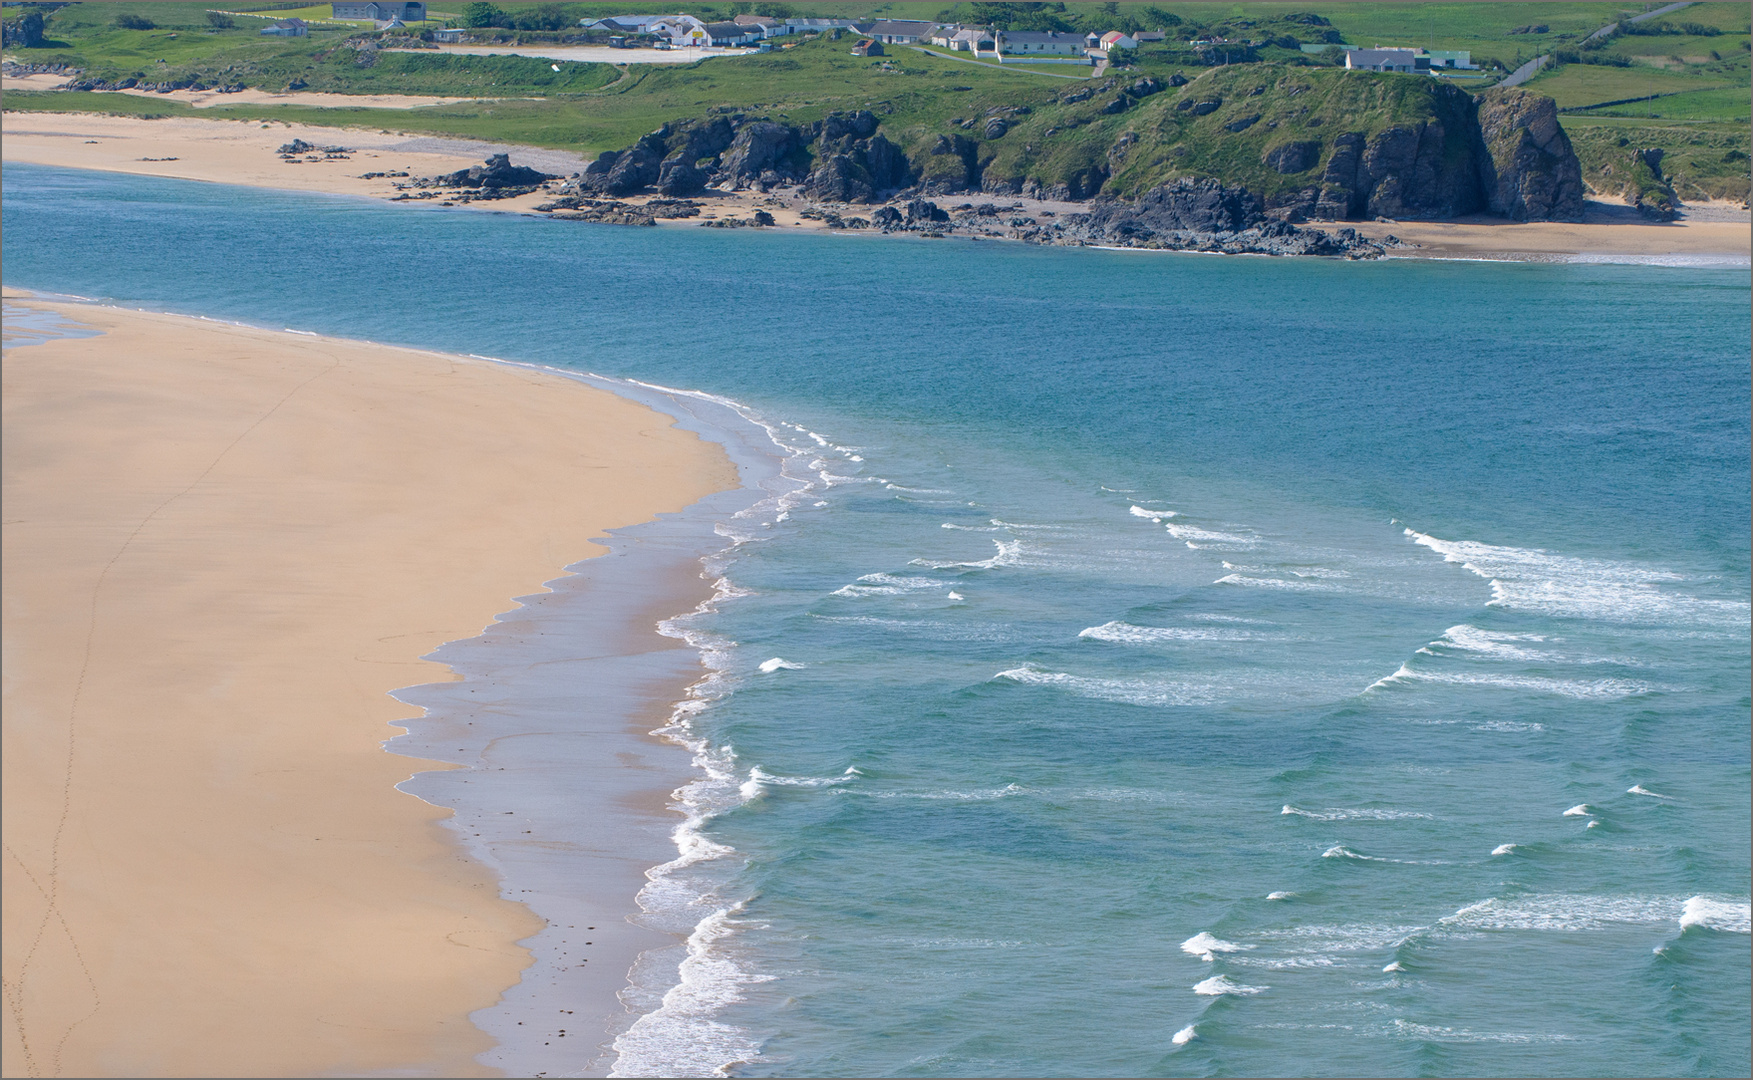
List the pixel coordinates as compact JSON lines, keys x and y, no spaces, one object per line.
{"x":867,"y":47}
{"x":1406,"y":60}
{"x":897,"y":31}
{"x":288,"y":28}
{"x":963,"y":39}
{"x":379,"y":11}
{"x":767,"y":25}
{"x":1037,"y":43}
{"x":450,"y":37}
{"x":817,"y":26}
{"x":1114,"y":39}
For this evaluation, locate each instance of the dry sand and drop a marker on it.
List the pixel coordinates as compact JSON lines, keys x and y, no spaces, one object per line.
{"x":243,"y":152}
{"x":1609,"y":227}
{"x":223,"y":547}
{"x":206,"y":99}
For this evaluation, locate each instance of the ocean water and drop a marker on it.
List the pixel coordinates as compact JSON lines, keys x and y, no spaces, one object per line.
{"x":1156,"y":664}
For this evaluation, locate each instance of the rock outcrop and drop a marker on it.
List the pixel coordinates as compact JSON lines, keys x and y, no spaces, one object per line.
{"x":853,"y":164}
{"x":1200,"y":215}
{"x":1530,"y":171}
{"x":497,"y":172}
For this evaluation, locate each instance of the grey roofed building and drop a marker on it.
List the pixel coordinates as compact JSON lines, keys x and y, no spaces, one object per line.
{"x":380,"y":10}
{"x":1044,"y":42}
{"x":729,"y":33}
{"x":1406,"y":60}
{"x":897,"y":31}
{"x":287,"y":28}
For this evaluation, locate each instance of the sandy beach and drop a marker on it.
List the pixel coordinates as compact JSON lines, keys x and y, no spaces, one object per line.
{"x":225,"y":546}
{"x":244,"y":152}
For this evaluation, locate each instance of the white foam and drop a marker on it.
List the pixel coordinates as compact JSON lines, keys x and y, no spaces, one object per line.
{"x":955,"y":595}
{"x":1579,"y":810}
{"x":887,"y":585}
{"x":759,"y":780}
{"x":1218,"y":985}
{"x":1731,"y":916}
{"x":1128,"y":634}
{"x":969,"y":528}
{"x":1189,"y":532}
{"x":1340,"y":851}
{"x":1544,"y":583}
{"x":1122,"y":691}
{"x":1154,"y":515}
{"x":1639,"y":789}
{"x":1580,"y":689}
{"x":1184,"y":1036}
{"x":768,"y":667}
{"x":1203,"y":945}
{"x":1009,"y":554}
{"x":1443,"y":1034}
{"x":1492,"y":643}
{"x":1281,"y":895}
{"x":680,"y":1037}
{"x":1503,"y":849}
{"x":1509,"y":725}
{"x":1569,"y":912}
{"x":1272,"y":583}
{"x":1395,"y":966}
{"x":1337,"y":813}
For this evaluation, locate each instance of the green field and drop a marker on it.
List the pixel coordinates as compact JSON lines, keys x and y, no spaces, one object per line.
{"x":593,"y":107}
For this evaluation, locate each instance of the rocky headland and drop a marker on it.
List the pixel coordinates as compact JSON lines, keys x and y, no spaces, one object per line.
{"x":1243,"y":160}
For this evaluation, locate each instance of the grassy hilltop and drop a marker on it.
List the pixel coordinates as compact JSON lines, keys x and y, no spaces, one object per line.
{"x":1680,"y":82}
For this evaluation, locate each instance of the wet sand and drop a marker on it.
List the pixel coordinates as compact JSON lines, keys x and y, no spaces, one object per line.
{"x":225,"y":546}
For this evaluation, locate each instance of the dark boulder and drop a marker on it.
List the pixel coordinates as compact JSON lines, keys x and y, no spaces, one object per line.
{"x":996,"y":128}
{"x":886,"y":217}
{"x":1119,"y":105}
{"x":498,"y":172}
{"x":1177,"y":79}
{"x":1242,"y":123}
{"x":921,"y":211}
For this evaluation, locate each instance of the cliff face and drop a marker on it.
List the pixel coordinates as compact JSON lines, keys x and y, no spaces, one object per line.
{"x":1530,"y":171}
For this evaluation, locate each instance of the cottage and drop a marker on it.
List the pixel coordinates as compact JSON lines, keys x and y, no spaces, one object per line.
{"x":288,"y":28}
{"x":897,"y":31}
{"x":1406,"y":60}
{"x":679,"y":29}
{"x":975,"y":40}
{"x":867,"y":47}
{"x":1150,"y":37}
{"x":817,"y":26}
{"x":450,"y":37}
{"x":622,"y":24}
{"x":380,"y":11}
{"x":724,"y":35}
{"x":768,"y":26}
{"x":1114,"y":39}
{"x":1037,"y":43}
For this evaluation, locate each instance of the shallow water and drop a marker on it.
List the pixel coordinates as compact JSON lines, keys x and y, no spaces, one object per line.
{"x":1186,"y":665}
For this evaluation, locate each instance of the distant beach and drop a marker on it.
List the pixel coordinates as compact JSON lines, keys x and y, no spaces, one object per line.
{"x":225,"y":546}
{"x":244,"y":152}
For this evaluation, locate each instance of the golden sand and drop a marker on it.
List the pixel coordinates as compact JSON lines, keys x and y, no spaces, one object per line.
{"x":223,"y":547}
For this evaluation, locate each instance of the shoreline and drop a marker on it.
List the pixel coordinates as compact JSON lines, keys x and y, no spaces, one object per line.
{"x":386,"y":894}
{"x":244,"y":152}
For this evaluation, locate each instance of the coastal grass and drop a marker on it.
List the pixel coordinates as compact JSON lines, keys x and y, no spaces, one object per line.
{"x":1700,"y":161}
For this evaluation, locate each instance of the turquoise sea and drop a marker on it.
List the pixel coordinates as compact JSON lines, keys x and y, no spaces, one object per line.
{"x":1154,"y":664}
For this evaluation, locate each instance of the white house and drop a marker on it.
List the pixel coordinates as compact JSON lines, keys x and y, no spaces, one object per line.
{"x":1037,"y":43}
{"x":962,"y":38}
{"x":680,"y":29}
{"x":768,"y":26}
{"x":897,"y":31}
{"x":1114,"y":39}
{"x":817,"y":26}
{"x":1406,"y":60}
{"x":287,"y":28}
